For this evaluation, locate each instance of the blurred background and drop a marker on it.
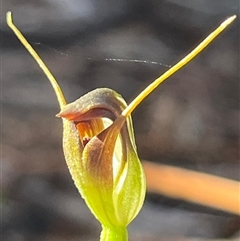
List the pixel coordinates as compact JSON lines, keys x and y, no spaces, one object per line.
{"x":191,"y":121}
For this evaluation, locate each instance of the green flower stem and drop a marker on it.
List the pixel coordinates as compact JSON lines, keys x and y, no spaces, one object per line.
{"x":114,"y":234}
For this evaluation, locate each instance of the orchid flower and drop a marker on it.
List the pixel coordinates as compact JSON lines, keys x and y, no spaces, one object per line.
{"x":101,"y":154}
{"x":99,"y":146}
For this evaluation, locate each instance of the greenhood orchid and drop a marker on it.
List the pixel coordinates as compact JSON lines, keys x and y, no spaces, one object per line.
{"x":99,"y":145}
{"x":100,"y":151}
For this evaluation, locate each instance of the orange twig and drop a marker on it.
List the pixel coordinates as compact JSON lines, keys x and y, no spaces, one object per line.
{"x":201,"y":188}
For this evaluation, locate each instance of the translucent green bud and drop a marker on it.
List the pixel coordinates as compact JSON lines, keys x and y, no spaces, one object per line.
{"x":100,"y":151}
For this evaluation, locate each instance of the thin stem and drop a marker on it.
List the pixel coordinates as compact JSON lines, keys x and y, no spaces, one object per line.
{"x":114,"y":234}
{"x":177,"y":66}
{"x":56,"y":87}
